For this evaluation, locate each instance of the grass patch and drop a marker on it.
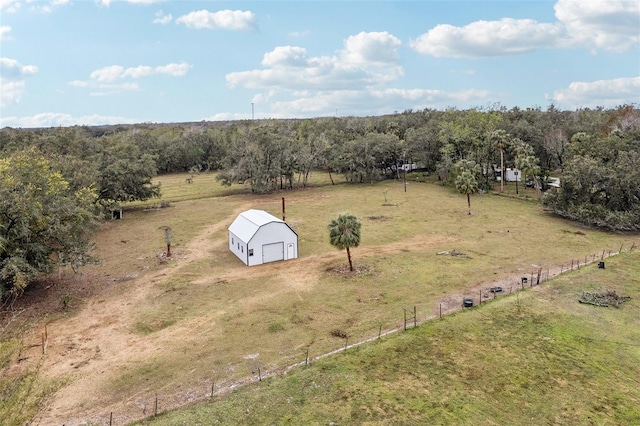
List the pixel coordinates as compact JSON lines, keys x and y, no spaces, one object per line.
{"x":280,"y":310}
{"x":541,"y":359}
{"x":23,"y":393}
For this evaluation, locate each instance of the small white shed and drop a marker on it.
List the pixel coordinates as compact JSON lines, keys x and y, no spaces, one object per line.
{"x":258,"y":237}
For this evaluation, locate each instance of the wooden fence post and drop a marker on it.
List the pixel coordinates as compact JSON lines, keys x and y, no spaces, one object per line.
{"x":405,"y":318}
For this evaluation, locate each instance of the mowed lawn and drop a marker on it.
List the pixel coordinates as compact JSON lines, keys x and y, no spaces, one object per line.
{"x":216,"y":322}
{"x":535,"y":358}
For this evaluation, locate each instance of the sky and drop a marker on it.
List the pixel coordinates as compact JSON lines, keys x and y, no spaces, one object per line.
{"x":94,"y":62}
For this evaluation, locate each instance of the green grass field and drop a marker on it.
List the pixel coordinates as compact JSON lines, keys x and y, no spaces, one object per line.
{"x":538,"y":357}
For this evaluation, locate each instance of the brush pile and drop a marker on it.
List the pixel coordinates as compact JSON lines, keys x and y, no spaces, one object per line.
{"x":606,"y":299}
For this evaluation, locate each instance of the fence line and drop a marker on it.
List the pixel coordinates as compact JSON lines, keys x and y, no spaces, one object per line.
{"x":539,"y":273}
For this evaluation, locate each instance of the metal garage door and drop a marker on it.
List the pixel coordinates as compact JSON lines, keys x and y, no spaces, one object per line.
{"x":272,"y":252}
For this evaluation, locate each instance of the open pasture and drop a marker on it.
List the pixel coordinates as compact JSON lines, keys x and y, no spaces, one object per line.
{"x":174,"y":328}
{"x":537,"y":357}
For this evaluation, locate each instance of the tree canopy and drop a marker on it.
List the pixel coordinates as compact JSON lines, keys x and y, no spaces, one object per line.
{"x":43,"y":221}
{"x":272,"y":155}
{"x":601,"y":180}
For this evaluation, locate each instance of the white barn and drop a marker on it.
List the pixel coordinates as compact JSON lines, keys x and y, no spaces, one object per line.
{"x":258,"y":237}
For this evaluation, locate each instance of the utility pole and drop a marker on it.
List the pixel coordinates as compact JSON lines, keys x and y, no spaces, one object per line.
{"x":252,"y":110}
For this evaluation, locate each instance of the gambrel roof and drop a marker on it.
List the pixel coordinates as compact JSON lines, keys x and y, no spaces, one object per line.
{"x":247,"y":223}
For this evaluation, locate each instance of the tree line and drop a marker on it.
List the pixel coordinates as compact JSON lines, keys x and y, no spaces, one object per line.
{"x":594,"y":151}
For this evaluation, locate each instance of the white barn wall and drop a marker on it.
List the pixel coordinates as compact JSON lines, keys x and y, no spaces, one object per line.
{"x":270,"y":233}
{"x":238,"y":247}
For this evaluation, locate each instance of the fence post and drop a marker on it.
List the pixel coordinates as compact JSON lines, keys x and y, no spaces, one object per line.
{"x":441,"y":310}
{"x":155,"y":410}
{"x":306,"y":358}
{"x":110,"y":418}
{"x":405,"y":318}
{"x":415,"y":317}
{"x":380,"y":331}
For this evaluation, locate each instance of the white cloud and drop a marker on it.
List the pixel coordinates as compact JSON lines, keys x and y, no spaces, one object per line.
{"x":12,"y":80}
{"x":137,"y":72}
{"x":105,"y":3}
{"x":111,"y":80}
{"x":52,"y":119}
{"x":78,"y":83}
{"x":47,"y":7}
{"x":296,"y":84}
{"x":605,"y":93}
{"x":162,"y":19}
{"x":488,"y":38}
{"x":110,"y":73}
{"x":4,"y":31}
{"x":116,"y":72}
{"x":367,"y":60}
{"x":286,"y":56}
{"x":11,"y":92}
{"x":373,"y":47}
{"x":176,"y":70}
{"x":605,"y":24}
{"x":9,"y":6}
{"x":593,"y":24}
{"x":223,"y":19}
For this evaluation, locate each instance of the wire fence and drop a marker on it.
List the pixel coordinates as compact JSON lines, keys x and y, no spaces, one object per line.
{"x":151,"y":405}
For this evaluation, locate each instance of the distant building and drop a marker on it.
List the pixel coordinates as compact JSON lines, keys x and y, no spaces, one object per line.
{"x":511,"y":175}
{"x":258,"y":237}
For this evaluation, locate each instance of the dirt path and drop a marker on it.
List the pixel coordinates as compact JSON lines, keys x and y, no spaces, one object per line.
{"x":85,"y":348}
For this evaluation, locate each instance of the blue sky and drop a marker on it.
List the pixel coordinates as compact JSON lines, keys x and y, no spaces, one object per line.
{"x":68,"y":62}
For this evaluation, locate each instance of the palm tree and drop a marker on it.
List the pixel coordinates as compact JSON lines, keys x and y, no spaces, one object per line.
{"x":467,"y":184}
{"x":501,"y":138}
{"x":530,"y":167}
{"x":344,"y":232}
